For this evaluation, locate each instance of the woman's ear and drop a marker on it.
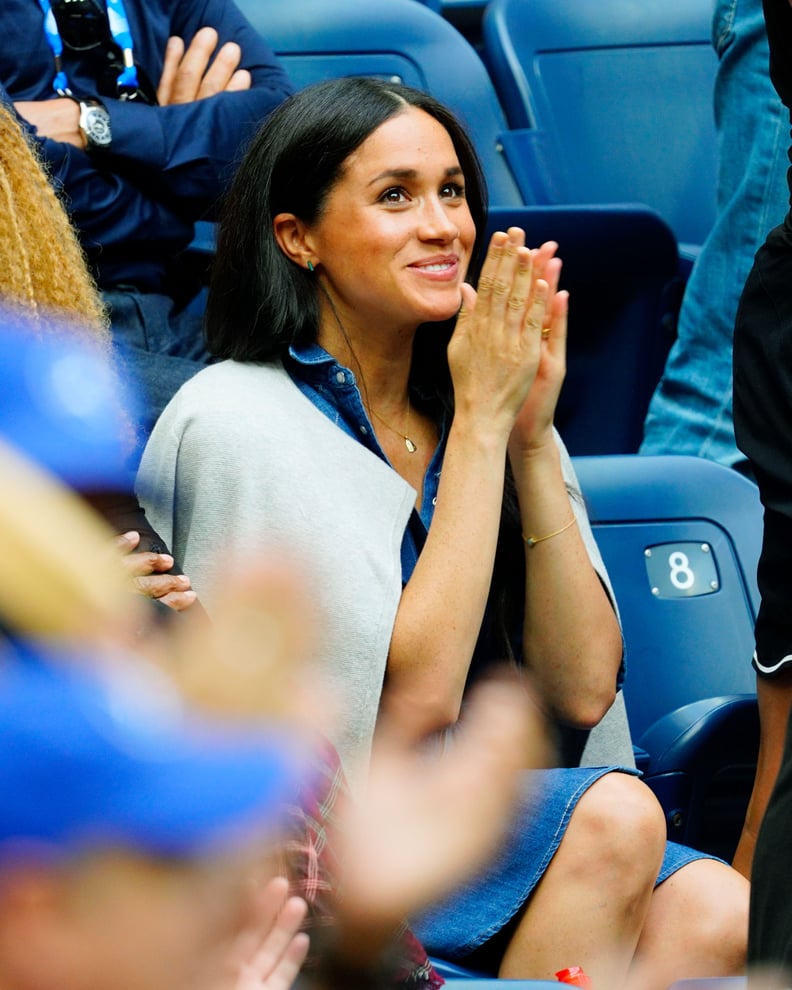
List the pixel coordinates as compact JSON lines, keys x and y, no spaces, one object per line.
{"x":294,"y":240}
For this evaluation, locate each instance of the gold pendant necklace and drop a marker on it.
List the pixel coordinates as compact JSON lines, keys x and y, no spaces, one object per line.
{"x":411,"y":445}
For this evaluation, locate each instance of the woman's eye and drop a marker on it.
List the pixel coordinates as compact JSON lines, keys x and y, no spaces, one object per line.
{"x":453,"y":190}
{"x":393,"y":195}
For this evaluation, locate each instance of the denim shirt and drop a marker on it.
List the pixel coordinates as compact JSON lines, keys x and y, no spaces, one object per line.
{"x":333,"y":389}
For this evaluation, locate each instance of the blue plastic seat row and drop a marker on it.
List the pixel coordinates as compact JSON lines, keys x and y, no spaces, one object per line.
{"x":605,"y":103}
{"x":681,"y":537}
{"x":610,"y":102}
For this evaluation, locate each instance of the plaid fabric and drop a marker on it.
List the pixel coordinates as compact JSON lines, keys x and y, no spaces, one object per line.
{"x":313,"y":869}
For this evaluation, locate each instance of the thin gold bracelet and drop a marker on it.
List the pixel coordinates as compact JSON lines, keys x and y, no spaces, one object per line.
{"x":533,"y":540}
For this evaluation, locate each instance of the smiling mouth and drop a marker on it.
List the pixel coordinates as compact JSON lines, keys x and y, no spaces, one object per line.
{"x":447,"y":266}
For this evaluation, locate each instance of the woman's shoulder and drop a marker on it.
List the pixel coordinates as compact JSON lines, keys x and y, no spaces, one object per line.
{"x":218,"y":399}
{"x":228,"y":379}
{"x":231,"y":388}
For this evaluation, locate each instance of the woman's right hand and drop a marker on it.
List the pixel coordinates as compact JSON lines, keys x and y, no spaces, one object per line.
{"x":496,"y":348}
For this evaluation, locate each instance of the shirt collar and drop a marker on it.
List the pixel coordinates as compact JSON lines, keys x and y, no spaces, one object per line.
{"x":317,"y":367}
{"x":310,"y":354}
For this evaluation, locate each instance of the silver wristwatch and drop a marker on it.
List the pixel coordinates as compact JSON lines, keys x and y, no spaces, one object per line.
{"x":94,"y":123}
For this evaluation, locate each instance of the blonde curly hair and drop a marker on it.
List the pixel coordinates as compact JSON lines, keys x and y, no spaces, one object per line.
{"x":42,"y":268}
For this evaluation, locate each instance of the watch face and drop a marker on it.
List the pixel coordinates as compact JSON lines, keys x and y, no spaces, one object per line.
{"x":97,"y":127}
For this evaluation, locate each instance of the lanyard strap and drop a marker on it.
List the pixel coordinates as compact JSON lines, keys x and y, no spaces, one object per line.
{"x":122,"y":35}
{"x":60,"y":83}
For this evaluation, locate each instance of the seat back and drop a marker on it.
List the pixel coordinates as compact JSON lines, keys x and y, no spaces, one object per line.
{"x":618,"y":327}
{"x":399,"y":40}
{"x":610,"y":102}
{"x":680,"y":537}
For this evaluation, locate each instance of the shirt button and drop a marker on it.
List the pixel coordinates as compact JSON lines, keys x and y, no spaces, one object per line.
{"x":340,"y":377}
{"x":434,"y":500}
{"x":364,"y":431}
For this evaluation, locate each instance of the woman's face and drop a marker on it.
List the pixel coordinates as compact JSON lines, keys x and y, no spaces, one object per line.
{"x":395,"y":238}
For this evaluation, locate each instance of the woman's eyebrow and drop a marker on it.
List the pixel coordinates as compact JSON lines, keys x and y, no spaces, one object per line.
{"x":411,"y":173}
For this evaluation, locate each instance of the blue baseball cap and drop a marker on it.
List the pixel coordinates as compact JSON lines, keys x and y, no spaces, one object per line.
{"x":111,"y":758}
{"x":62,"y":405}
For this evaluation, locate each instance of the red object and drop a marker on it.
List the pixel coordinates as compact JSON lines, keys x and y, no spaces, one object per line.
{"x":574,"y":976}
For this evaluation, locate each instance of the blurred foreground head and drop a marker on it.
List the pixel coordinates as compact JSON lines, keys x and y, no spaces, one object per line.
{"x":128,"y":829}
{"x":63,"y":406}
{"x":61,"y":431}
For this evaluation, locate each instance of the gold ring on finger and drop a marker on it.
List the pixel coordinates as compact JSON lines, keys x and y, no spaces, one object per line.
{"x":545,"y":333}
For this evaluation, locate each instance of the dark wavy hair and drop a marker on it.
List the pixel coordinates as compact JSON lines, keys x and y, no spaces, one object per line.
{"x":260,"y":302}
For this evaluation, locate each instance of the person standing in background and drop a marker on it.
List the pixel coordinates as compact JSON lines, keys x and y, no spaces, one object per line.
{"x":691,"y":410}
{"x":762,"y":416}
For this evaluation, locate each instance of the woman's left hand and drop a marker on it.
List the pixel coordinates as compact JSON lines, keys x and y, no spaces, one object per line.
{"x":533,"y":426}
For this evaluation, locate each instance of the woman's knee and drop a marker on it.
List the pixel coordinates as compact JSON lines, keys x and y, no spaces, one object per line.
{"x":621,"y":825}
{"x":709,"y":901}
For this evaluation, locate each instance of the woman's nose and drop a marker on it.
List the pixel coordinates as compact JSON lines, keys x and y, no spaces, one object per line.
{"x":437,"y":223}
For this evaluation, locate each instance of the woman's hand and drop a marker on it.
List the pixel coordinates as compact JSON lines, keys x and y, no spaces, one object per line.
{"x":497,"y":349}
{"x":148,"y":577}
{"x":533,"y":426}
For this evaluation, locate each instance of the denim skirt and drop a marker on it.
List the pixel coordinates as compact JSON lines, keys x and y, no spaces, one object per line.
{"x":457,"y":926}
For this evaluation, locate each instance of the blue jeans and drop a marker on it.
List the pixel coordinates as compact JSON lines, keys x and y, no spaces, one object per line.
{"x":157,"y":349}
{"x":691,"y":410}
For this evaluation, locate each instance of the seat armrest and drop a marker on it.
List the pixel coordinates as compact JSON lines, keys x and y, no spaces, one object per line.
{"x":699,"y":733}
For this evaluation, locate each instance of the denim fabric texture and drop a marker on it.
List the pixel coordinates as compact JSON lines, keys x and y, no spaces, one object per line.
{"x":691,"y":410}
{"x":478,"y":910}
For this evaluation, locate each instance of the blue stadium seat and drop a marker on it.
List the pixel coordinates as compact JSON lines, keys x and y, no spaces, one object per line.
{"x":619,"y":264}
{"x":681,"y":538}
{"x":610,"y":102}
